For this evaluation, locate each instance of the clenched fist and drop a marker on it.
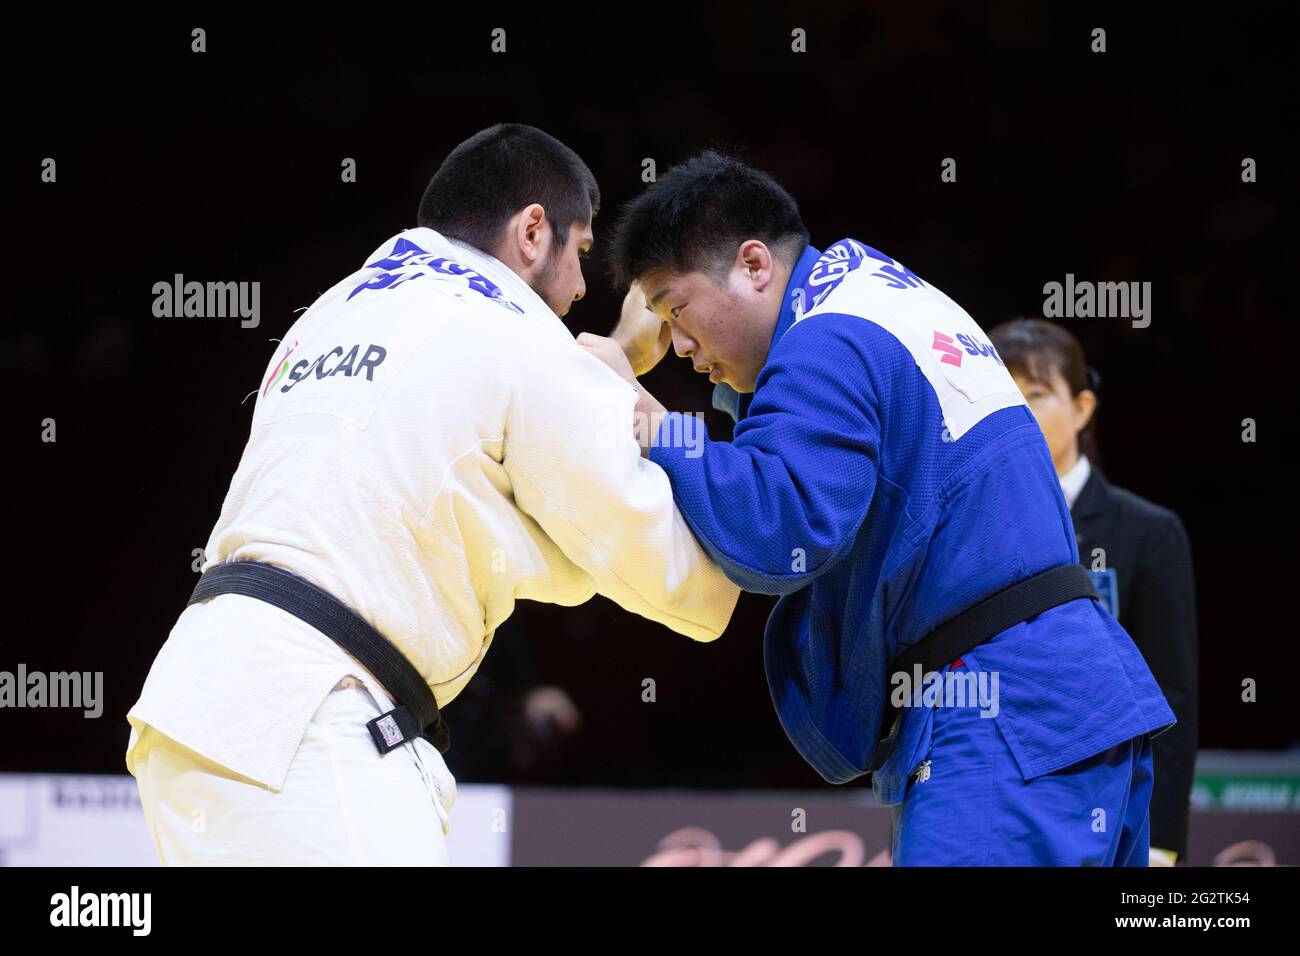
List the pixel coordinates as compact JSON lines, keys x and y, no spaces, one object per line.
{"x":642,"y":335}
{"x":649,"y":413}
{"x":608,"y":351}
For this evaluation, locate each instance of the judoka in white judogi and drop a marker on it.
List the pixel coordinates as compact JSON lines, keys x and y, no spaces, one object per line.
{"x":425,"y":446}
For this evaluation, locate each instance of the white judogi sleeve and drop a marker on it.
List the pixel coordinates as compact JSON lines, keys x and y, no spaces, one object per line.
{"x":577,"y":470}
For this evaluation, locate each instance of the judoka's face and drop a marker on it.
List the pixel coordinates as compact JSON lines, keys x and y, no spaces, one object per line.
{"x":559,"y":280}
{"x":722,"y":324}
{"x":551,"y":269}
{"x":1060,"y":415}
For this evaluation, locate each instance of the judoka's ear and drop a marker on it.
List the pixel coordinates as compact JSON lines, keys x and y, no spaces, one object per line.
{"x":528,"y":234}
{"x":755,"y":260}
{"x":1085,"y":404}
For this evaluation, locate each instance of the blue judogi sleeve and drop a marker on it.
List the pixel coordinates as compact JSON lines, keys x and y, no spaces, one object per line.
{"x":782,"y":502}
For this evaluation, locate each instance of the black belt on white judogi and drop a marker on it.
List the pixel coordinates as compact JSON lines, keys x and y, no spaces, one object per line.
{"x":416,"y":713}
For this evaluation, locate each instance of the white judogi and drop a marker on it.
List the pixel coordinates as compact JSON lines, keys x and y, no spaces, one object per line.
{"x":429,"y":445}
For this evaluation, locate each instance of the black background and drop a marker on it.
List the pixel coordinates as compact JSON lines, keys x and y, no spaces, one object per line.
{"x":225,"y":166}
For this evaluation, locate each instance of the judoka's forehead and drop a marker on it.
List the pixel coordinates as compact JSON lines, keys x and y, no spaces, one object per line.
{"x":661,"y":285}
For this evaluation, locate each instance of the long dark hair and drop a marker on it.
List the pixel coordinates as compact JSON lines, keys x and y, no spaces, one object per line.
{"x":1034,"y":348}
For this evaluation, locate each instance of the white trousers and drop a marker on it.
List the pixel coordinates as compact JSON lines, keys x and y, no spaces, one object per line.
{"x":342,"y":804}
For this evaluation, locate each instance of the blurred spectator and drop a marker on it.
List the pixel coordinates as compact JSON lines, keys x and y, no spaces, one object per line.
{"x":505,"y":725}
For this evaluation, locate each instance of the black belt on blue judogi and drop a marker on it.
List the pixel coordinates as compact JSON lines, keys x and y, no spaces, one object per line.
{"x":416,"y":713}
{"x":990,"y":617}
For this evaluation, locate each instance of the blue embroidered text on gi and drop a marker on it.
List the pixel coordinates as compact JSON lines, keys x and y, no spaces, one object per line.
{"x":408,"y":262}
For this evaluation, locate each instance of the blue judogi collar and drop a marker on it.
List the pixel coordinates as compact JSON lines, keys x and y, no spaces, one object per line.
{"x":727,"y":399}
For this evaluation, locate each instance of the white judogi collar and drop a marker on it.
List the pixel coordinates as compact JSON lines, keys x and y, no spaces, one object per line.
{"x":516,"y":289}
{"x":1072,"y":481}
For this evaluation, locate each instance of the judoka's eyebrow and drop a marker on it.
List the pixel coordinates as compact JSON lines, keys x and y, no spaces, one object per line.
{"x":658,"y":295}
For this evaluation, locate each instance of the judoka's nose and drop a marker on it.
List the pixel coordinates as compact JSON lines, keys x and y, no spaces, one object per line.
{"x":683,"y":344}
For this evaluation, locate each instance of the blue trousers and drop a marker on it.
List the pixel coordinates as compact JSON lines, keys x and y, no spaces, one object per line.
{"x":970,"y":805}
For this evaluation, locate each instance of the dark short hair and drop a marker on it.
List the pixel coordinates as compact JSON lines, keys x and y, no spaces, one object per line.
{"x":500,"y":170}
{"x":1034,"y":349}
{"x":694,"y":218}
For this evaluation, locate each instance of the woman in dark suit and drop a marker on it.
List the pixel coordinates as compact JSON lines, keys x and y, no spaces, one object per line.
{"x":1137,"y":551}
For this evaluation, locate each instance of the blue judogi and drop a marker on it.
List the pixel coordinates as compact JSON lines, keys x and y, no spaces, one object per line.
{"x":884,"y":476}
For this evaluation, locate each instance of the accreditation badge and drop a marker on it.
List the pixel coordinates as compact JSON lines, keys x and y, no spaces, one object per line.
{"x":1107,"y":584}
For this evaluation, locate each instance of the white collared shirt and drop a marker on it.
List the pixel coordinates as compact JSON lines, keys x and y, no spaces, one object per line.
{"x":429,"y":445}
{"x":1072,"y":481}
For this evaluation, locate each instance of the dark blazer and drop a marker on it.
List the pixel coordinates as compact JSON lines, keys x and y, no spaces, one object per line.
{"x":1147,"y":548}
